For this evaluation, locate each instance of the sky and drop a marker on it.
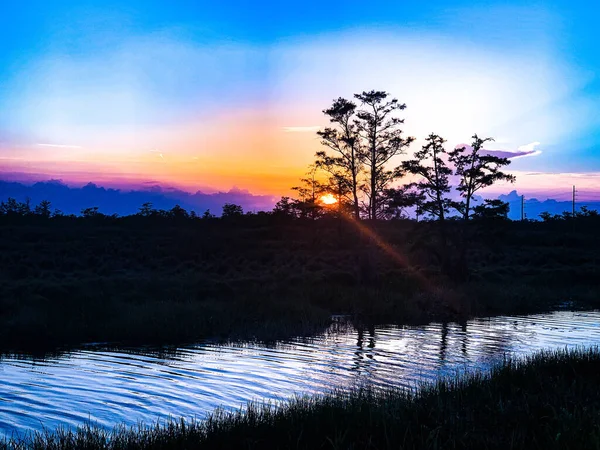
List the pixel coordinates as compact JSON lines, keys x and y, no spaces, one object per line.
{"x":211,"y":95}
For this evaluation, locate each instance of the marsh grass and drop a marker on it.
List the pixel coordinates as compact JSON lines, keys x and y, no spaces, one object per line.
{"x":550,"y":400}
{"x":137,"y":281}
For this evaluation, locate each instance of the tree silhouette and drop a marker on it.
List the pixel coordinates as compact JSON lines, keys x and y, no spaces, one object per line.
{"x":207,"y":215}
{"x":584,"y":211}
{"x":345,"y":165}
{"x":492,"y":209}
{"x":14,"y":208}
{"x":476,"y":171}
{"x":43,"y":209}
{"x":91,"y":212}
{"x":232,"y":210}
{"x":146,"y":210}
{"x":285,"y":207}
{"x":434,"y":173}
{"x":397,"y":200}
{"x":177,"y":212}
{"x":380,"y":140}
{"x":309,"y":191}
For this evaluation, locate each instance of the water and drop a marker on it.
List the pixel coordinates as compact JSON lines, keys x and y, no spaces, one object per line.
{"x":133,"y":385}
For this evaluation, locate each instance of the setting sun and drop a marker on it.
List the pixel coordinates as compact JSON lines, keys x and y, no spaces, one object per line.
{"x":328,"y":199}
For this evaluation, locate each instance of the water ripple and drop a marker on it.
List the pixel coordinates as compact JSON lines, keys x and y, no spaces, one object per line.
{"x":133,"y":385}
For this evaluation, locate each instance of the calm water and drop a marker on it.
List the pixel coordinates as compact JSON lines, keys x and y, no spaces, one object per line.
{"x":110,"y":387}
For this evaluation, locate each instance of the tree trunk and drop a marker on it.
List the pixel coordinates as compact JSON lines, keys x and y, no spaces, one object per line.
{"x":355,"y":194}
{"x":373,"y":186}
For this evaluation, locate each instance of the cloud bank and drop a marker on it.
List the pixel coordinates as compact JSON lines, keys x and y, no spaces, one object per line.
{"x":71,"y":200}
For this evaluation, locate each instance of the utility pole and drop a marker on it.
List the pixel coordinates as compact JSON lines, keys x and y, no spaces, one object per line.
{"x":573,"y":201}
{"x":522,"y":207}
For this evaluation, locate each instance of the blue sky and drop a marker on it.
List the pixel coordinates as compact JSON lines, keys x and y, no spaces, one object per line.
{"x":123,"y":77}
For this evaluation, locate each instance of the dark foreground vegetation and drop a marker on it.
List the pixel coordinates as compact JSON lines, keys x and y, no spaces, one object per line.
{"x":547,"y":401}
{"x":168,"y":280}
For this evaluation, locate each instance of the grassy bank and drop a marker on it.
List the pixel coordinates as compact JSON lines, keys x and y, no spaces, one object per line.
{"x":136,"y":280}
{"x":548,"y":401}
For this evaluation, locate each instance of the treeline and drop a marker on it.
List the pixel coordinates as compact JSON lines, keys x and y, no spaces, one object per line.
{"x":286,"y":208}
{"x":13,"y":208}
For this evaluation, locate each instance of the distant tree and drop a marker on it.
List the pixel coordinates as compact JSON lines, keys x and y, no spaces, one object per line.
{"x":146,"y":210}
{"x":14,"y":208}
{"x":177,"y":212}
{"x":476,"y":171}
{"x":43,"y":209}
{"x":491,"y":209}
{"x":91,"y":212}
{"x":310,"y":191}
{"x":566,"y":215}
{"x":232,"y":210}
{"x":547,"y":217}
{"x":397,"y":201}
{"x":193,"y":215}
{"x":10,"y":207}
{"x":381,"y":139}
{"x":285,"y":207}
{"x":434,"y":185}
{"x":584,"y":211}
{"x":26,"y":207}
{"x":345,"y":164}
{"x":207,"y":215}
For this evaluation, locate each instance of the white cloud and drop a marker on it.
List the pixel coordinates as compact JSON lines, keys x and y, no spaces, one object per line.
{"x":529,"y":147}
{"x":59,"y":146}
{"x":312,"y":129}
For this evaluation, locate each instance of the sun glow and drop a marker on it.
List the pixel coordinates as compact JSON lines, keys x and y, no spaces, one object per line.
{"x":328,"y":199}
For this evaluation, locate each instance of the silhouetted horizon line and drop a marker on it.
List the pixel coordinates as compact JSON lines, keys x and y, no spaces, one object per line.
{"x":113,"y":200}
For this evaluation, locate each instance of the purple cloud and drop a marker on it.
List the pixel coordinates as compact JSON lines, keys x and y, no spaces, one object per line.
{"x":524,"y":150}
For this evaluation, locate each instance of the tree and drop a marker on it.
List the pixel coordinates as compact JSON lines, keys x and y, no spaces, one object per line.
{"x":285,"y":207}
{"x":43,"y":209}
{"x":345,"y":164}
{"x":309,"y":191}
{"x":12,"y":207}
{"x":397,"y":200}
{"x":232,"y":210}
{"x":434,"y":173}
{"x":548,"y":217}
{"x":177,"y":212}
{"x":476,"y":171}
{"x":584,"y":211}
{"x":207,"y":215}
{"x":380,"y":140}
{"x":492,"y":209}
{"x":91,"y":212}
{"x":146,"y":210}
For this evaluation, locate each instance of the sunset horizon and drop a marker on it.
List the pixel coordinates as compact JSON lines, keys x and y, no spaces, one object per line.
{"x":199,"y":99}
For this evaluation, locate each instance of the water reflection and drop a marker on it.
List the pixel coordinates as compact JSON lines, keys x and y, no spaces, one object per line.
{"x":132,"y":385}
